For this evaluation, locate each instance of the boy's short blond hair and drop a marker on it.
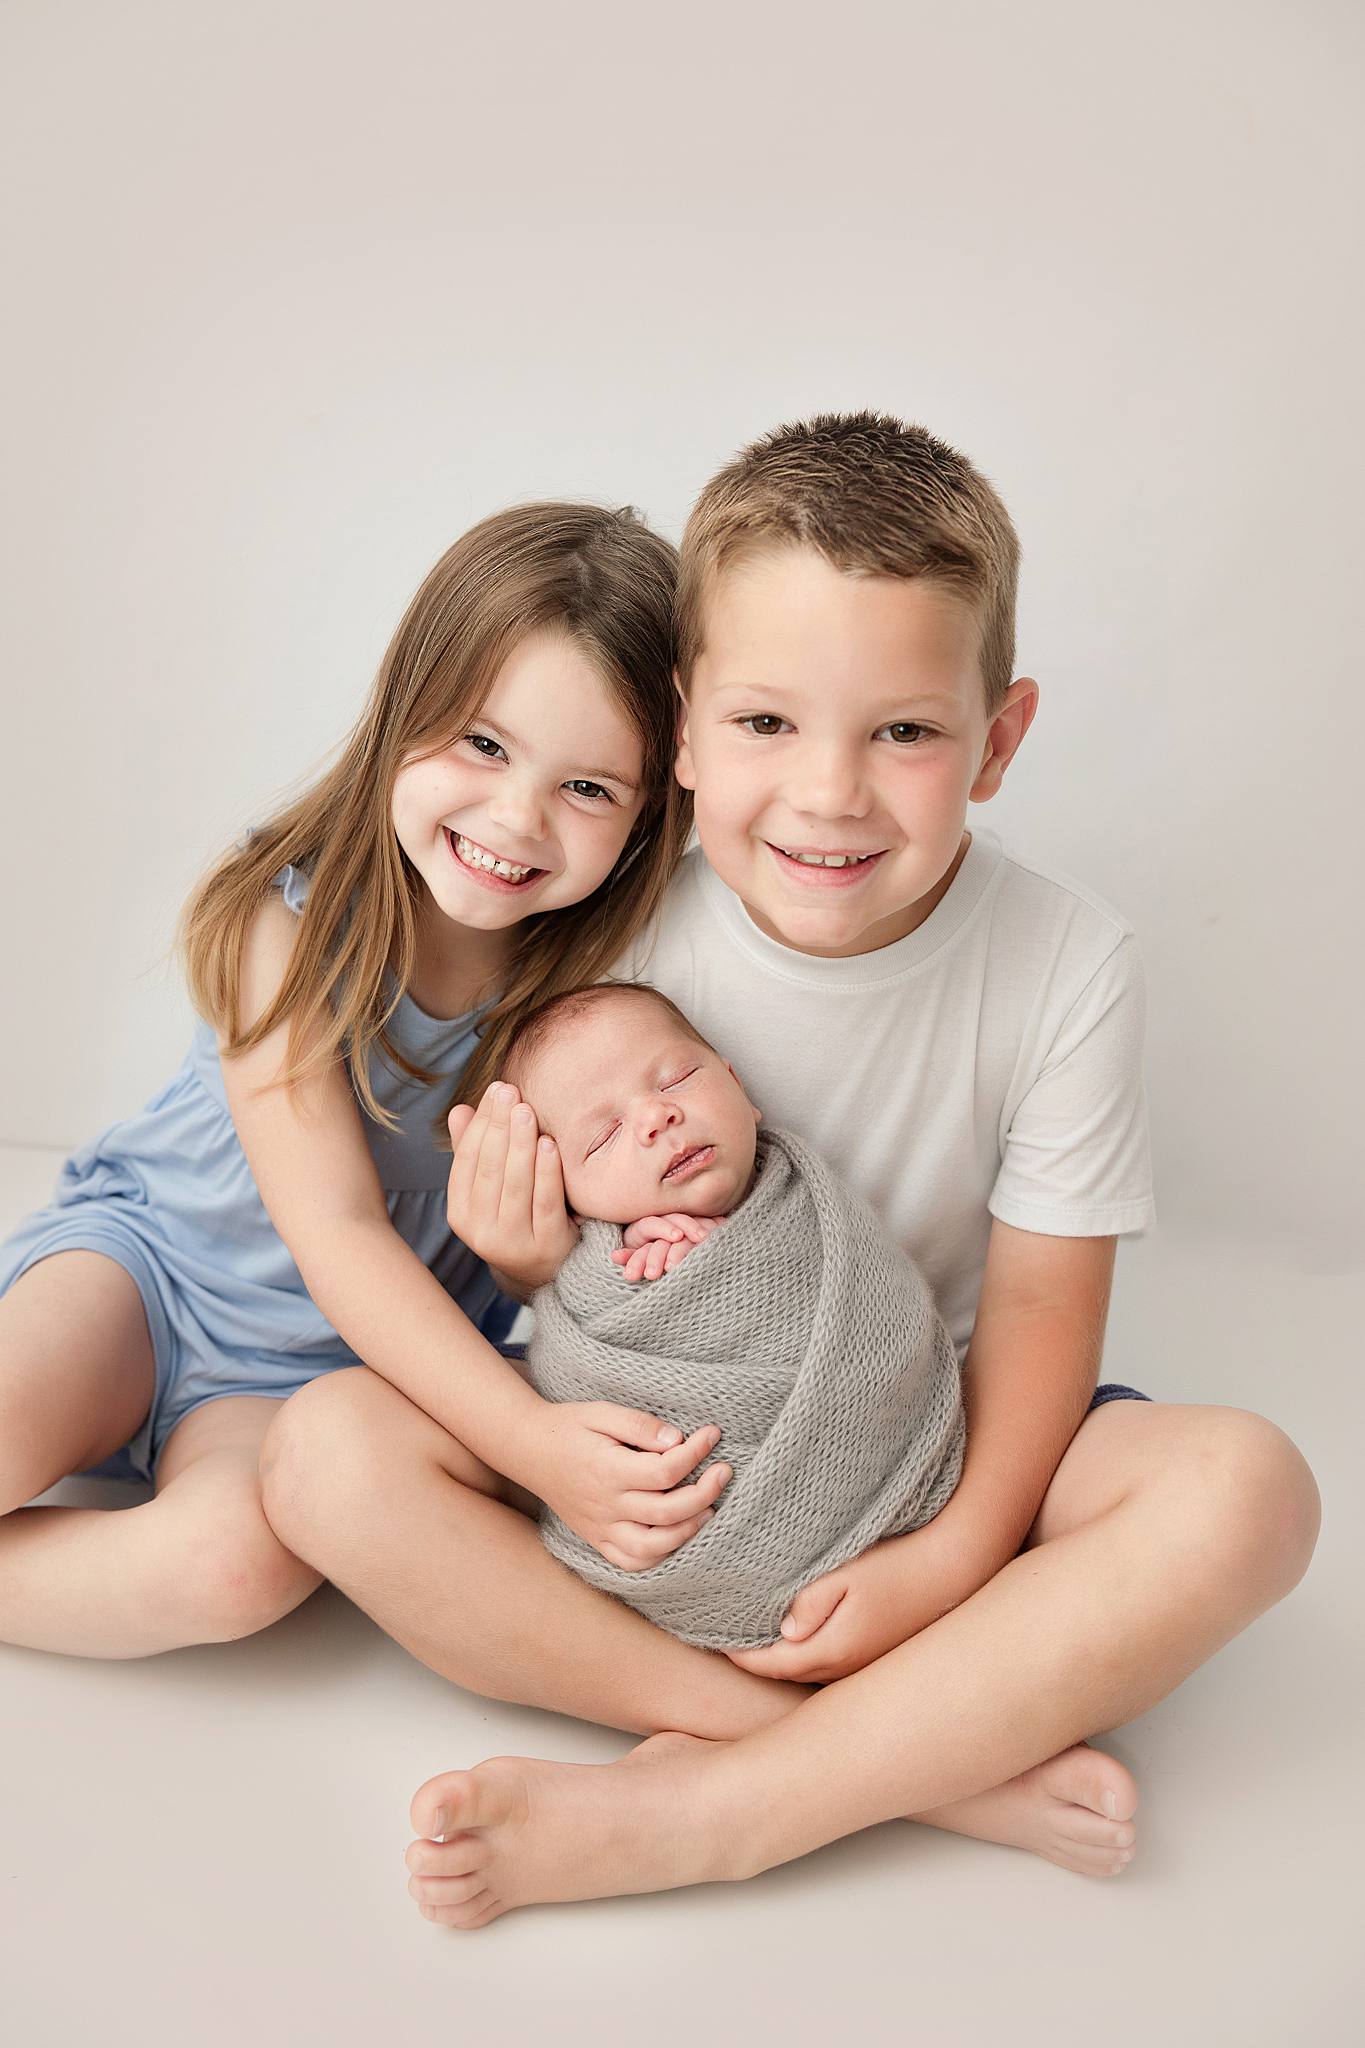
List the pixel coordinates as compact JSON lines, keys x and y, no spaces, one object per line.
{"x":868,"y":493}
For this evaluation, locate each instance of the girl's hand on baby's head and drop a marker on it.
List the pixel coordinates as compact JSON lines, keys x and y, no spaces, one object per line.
{"x":656,"y":1244}
{"x":505,"y":1196}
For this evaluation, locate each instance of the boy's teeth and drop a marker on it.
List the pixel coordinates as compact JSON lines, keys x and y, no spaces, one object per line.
{"x":477,"y":858}
{"x":828,"y":860}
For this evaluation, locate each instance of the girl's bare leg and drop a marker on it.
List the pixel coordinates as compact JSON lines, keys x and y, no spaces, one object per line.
{"x":422,"y":1535}
{"x":198,"y":1563}
{"x":1165,"y":1532}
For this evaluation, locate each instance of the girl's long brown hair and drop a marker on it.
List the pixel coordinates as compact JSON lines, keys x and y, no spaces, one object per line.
{"x":599,"y":576}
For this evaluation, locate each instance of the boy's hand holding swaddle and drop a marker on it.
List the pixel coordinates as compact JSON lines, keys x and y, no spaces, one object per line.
{"x":753,"y":1289}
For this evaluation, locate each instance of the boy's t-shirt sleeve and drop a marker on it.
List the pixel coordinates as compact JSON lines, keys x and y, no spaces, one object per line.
{"x":1076,"y":1157}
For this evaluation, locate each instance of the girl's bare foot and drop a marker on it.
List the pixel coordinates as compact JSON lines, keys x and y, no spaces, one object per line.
{"x":517,"y":1832}
{"x":1076,"y":1810}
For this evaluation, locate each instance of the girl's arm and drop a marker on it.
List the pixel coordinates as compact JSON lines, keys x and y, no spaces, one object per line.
{"x":306,"y":1148}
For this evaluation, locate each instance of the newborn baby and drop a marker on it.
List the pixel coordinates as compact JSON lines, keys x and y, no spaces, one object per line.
{"x":752,"y":1289}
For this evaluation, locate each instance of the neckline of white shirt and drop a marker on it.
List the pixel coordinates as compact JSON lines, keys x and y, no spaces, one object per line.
{"x":863,"y":970}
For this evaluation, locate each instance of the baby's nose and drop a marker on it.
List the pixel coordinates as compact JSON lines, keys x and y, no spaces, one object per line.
{"x":656,"y":1116}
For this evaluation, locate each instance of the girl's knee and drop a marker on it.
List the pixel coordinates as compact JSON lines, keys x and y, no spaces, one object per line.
{"x":228,"y":1575}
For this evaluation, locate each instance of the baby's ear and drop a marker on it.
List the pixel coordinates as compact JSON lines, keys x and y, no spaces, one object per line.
{"x":758,"y":1114}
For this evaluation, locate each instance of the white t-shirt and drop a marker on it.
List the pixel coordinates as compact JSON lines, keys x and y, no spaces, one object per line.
{"x":990,"y":1064}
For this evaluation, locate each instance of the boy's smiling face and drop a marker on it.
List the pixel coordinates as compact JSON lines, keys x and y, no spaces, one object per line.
{"x":839,"y":713}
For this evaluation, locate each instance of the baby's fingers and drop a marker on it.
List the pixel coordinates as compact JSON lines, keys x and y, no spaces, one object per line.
{"x":656,"y":1259}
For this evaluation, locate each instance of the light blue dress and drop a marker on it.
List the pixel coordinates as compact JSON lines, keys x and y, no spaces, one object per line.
{"x":170,"y":1196}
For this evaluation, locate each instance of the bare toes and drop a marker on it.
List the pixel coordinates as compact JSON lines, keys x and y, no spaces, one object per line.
{"x":447,"y":1891}
{"x":455,"y":1857}
{"x":1072,"y":1823}
{"x":1086,"y":1859}
{"x":456,"y":1800}
{"x":1088,"y":1777}
{"x":477,"y":1912}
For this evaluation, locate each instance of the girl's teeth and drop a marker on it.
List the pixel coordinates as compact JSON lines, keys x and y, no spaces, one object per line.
{"x":829,"y":860}
{"x":477,"y":858}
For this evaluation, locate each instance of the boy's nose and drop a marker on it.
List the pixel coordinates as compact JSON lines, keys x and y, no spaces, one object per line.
{"x":830,"y":784}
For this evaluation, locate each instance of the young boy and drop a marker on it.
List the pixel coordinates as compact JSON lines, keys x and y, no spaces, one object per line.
{"x":958,"y":1032}
{"x":799,"y":1325}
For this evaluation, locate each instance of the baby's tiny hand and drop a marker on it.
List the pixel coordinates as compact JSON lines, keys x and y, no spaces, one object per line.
{"x":656,"y":1244}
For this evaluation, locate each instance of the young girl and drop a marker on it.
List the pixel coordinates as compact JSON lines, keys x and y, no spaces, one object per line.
{"x":500,"y":823}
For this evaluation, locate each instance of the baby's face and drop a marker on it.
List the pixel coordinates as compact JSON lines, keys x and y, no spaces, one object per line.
{"x":647,"y":1120}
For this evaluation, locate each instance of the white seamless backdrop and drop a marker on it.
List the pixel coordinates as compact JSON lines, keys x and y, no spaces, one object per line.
{"x":299,"y":291}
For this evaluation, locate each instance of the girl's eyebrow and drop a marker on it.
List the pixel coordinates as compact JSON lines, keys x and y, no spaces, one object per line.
{"x":588,"y":775}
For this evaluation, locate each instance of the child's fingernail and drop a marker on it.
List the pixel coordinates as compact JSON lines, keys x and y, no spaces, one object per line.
{"x":670,"y":1436}
{"x":547,"y":1145}
{"x":503,"y":1091}
{"x":523,"y":1112}
{"x":442,"y":1827}
{"x":788,"y":1626}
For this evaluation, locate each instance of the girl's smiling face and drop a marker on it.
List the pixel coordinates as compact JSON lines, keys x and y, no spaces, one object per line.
{"x":529,"y":809}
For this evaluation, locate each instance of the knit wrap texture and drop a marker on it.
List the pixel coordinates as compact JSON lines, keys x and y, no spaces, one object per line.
{"x":812,"y":1341}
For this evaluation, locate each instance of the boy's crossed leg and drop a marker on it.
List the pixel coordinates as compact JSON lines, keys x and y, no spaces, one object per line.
{"x":1173,"y":1529}
{"x":466,"y":1585}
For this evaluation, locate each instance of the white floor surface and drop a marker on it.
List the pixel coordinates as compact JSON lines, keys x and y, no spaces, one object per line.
{"x":206,"y":1847}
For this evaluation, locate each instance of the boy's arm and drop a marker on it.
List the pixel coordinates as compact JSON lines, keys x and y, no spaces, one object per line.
{"x":1030,"y":1370}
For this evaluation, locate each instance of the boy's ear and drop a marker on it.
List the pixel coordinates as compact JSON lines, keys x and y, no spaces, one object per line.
{"x":682,"y":763}
{"x":1004,"y":738}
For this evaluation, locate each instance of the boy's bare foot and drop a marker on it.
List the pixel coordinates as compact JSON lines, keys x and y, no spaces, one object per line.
{"x":1076,"y":1810}
{"x":518,"y":1831}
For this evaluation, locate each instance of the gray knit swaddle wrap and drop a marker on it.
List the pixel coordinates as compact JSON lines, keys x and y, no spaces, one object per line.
{"x":812,"y":1341}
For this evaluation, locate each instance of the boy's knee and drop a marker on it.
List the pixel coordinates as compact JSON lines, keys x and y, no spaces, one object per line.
{"x":1262,"y":1499}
